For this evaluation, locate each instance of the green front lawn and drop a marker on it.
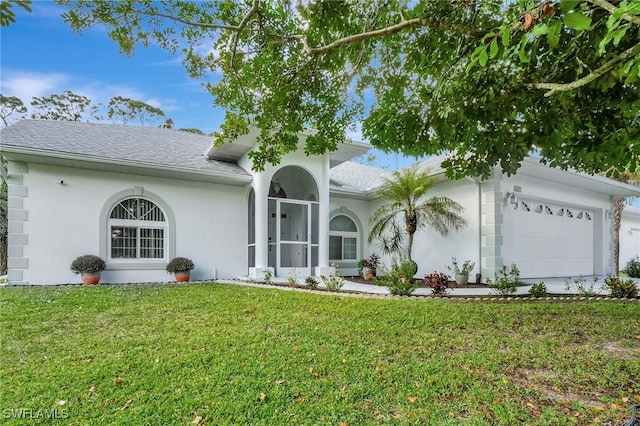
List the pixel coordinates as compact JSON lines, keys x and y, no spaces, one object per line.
{"x":223,"y":354}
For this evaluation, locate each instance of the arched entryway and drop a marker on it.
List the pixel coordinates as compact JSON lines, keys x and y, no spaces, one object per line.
{"x":293,"y":216}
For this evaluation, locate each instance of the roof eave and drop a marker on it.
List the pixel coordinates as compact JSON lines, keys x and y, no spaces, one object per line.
{"x":584,"y":181}
{"x":122,"y":166}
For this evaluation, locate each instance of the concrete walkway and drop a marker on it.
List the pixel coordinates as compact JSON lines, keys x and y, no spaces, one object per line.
{"x":554,"y":286}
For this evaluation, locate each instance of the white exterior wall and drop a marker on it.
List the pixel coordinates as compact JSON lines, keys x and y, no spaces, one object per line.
{"x":629,"y":235}
{"x":63,"y":223}
{"x":432,"y":251}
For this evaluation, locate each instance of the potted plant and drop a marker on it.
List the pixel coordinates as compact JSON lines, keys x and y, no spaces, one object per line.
{"x":360,"y":265}
{"x":461,"y":272}
{"x":369,"y":266}
{"x":181,"y":267}
{"x":89,"y":267}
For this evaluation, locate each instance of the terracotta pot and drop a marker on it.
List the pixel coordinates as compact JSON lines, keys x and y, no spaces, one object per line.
{"x":183,"y":277}
{"x":90,"y":278}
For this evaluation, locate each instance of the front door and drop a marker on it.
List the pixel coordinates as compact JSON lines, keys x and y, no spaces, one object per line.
{"x":289,"y":223}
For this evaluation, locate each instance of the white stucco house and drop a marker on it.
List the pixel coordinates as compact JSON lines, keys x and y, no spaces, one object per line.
{"x":139,"y":196}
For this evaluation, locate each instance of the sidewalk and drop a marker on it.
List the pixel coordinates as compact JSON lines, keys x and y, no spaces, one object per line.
{"x":555,"y":286}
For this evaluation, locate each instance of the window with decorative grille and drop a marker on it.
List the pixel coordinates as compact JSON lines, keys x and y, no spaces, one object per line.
{"x":138,"y":230}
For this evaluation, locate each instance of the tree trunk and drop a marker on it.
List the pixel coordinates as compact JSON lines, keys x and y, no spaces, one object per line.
{"x":409,"y":245}
{"x":618,"y":206}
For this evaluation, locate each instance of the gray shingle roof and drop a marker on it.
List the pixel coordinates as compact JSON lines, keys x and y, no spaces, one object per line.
{"x":147,"y":145}
{"x":356,"y":176}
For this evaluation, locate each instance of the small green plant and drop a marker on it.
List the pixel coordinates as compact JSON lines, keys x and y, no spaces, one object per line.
{"x":633,"y":268}
{"x":292,"y":278}
{"x":506,"y":280}
{"x":580,"y":286}
{"x":334,"y":281}
{"x":88,"y":264}
{"x":538,"y":290}
{"x":438,"y":283}
{"x":624,"y":289}
{"x":180,"y":264}
{"x":311,"y":283}
{"x":399,"y":278}
{"x":268,"y":274}
{"x":467,"y":267}
{"x":370,"y":262}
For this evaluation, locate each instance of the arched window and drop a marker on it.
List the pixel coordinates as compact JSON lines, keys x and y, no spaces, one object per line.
{"x":138,"y":230}
{"x":343,"y":239}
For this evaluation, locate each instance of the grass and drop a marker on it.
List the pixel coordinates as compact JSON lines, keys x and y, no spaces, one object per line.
{"x":224,"y":354}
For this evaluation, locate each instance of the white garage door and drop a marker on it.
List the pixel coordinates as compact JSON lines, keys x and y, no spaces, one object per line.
{"x":549,"y":240}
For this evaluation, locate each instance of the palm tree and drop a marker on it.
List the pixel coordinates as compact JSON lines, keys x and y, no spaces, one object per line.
{"x":618,"y":207}
{"x":405,"y":191}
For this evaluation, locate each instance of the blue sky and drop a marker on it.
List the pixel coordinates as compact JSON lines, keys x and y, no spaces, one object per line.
{"x":40,"y":55}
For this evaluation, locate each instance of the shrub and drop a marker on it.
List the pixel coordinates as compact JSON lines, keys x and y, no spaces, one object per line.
{"x":624,"y":289}
{"x":292,"y":278}
{"x":334,"y":281}
{"x":438,"y":283}
{"x":399,"y":279}
{"x":633,"y":268}
{"x":538,"y":290}
{"x":267,"y":276}
{"x":506,"y":280}
{"x":180,"y":264}
{"x":370,"y":262}
{"x":311,"y":282}
{"x":88,"y":264}
{"x":415,"y":267}
{"x":580,"y":286}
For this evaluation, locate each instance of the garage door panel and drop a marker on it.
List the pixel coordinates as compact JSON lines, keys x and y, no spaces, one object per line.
{"x":549,"y":240}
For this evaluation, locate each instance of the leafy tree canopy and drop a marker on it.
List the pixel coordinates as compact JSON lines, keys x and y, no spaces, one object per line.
{"x":65,"y":106}
{"x":69,"y":106}
{"x":126,"y":109}
{"x":10,"y":105}
{"x":490,"y":81}
{"x":192,"y":130}
{"x":7,"y":15}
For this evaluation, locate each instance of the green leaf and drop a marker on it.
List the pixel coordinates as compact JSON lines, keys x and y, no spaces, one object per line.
{"x":483,"y":58}
{"x":521,"y":53}
{"x":553,"y":37}
{"x":473,"y":62}
{"x":567,"y":5}
{"x":540,"y":29}
{"x":494,"y":49}
{"x":506,"y":37}
{"x":577,"y":21}
{"x":619,"y":33}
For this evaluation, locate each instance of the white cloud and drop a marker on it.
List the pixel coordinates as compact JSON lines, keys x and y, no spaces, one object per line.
{"x":26,"y":85}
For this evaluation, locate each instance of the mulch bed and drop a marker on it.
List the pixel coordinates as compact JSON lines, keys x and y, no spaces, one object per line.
{"x":452,"y":284}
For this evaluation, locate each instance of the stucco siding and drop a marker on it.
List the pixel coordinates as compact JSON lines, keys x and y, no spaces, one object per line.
{"x":432,"y":251}
{"x":63,"y":223}
{"x":629,"y":235}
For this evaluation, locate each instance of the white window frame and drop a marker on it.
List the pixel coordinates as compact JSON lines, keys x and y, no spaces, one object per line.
{"x":138,"y":225}
{"x":343,"y":235}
